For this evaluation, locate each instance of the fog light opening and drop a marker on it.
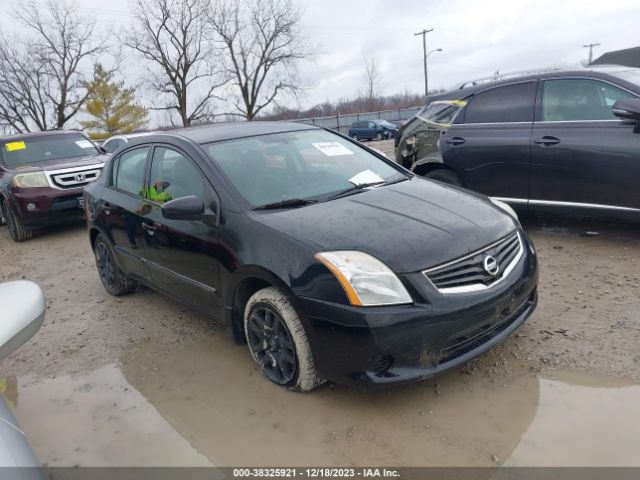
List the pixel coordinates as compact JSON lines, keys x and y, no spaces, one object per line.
{"x":383,"y":363}
{"x":31,"y":207}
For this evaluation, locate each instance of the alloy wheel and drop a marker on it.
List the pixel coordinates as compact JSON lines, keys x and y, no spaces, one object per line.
{"x":105,"y":264}
{"x":271,"y":345}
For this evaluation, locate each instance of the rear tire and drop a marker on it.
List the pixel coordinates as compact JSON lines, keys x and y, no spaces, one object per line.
{"x":278,"y":342}
{"x":19,"y":232}
{"x":113,"y":279}
{"x":356,"y":138}
{"x":445,"y":176}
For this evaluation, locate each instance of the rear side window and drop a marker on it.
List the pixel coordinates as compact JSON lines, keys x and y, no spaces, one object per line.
{"x":173,"y":176}
{"x":511,"y":103}
{"x":574,"y":99}
{"x":128,"y":171}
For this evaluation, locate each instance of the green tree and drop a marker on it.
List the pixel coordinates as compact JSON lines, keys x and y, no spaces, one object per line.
{"x":111,"y":106}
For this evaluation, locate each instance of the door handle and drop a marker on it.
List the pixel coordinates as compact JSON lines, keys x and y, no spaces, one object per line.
{"x":106,"y":208}
{"x":455,"y":141}
{"x":546,"y":141}
{"x":150,"y":229}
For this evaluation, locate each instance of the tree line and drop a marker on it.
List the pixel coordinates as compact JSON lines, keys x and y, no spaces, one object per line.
{"x":199,"y":60}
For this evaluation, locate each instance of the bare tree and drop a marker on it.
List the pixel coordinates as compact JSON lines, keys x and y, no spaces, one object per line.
{"x":373,"y":83}
{"x":175,"y":37}
{"x":23,"y":86}
{"x":63,"y":45}
{"x":263,"y":46}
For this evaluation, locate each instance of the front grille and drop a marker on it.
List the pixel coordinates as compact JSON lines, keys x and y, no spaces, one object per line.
{"x":480,"y":270}
{"x":74,"y":179}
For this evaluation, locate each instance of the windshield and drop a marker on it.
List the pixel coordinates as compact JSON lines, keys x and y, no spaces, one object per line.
{"x":33,"y":150}
{"x":306,"y":165}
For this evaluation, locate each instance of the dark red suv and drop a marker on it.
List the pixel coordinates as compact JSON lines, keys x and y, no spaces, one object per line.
{"x":42,"y":176}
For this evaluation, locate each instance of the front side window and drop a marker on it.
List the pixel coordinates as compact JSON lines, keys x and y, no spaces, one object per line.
{"x":507,"y":104}
{"x":307,"y":165}
{"x":44,"y":148}
{"x":173,"y":176}
{"x":128,"y":171}
{"x":574,"y":99}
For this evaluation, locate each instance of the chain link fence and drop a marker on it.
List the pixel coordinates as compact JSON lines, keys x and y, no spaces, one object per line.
{"x":343,"y":122}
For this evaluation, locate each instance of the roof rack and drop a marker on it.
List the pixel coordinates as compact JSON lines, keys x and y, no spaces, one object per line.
{"x":505,"y":76}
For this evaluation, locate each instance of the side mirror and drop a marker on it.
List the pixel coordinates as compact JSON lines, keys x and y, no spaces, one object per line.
{"x":628,"y":108}
{"x":23,"y":308}
{"x":187,"y":208}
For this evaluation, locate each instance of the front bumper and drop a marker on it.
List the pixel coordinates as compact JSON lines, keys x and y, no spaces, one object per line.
{"x":406,"y":343}
{"x":48,"y":205}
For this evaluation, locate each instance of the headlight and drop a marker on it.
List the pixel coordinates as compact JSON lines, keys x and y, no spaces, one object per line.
{"x":505,"y":207}
{"x":30,"y":180}
{"x":365,"y":279}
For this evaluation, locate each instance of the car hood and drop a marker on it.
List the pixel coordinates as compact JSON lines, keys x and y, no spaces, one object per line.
{"x":63,"y":163}
{"x":410,"y":226}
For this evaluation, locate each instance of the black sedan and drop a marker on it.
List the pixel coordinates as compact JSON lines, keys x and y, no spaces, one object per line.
{"x":330,"y":261}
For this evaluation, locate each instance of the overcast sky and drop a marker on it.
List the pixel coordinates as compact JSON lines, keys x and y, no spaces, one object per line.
{"x":477,"y":37}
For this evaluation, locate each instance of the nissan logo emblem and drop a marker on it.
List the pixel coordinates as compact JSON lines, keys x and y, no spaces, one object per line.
{"x":491,"y":265}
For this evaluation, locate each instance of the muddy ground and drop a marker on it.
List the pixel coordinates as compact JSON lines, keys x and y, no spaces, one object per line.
{"x":141,"y":380}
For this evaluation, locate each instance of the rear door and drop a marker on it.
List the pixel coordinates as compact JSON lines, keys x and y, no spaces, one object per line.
{"x":183,"y":256}
{"x":490,"y":148}
{"x":582,"y":153}
{"x":122,"y":208}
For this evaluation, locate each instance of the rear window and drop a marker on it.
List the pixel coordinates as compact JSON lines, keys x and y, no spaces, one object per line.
{"x":510,"y":103}
{"x":34,"y":150}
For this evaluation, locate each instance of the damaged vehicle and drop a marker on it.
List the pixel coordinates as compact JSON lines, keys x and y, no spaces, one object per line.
{"x":330,"y":261}
{"x":42,"y":176}
{"x":558,"y":139}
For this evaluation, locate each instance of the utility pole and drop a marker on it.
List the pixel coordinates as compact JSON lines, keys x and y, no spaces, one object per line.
{"x":590,"y":47}
{"x":424,"y":49}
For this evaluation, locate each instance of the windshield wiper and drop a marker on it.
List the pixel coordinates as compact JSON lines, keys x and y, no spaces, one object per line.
{"x":355,"y":189}
{"x":289,"y":203}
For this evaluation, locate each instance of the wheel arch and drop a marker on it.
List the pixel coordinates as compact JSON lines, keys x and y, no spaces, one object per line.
{"x":427,"y":165}
{"x":243,"y":285}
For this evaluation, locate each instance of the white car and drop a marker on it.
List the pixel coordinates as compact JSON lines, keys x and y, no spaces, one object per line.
{"x":111,"y":144}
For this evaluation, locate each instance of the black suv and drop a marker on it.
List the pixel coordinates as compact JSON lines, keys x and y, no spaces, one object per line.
{"x":42,"y":176}
{"x":552,"y":139}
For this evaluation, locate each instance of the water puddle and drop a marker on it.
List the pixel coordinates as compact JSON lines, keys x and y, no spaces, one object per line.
{"x":193,"y":404}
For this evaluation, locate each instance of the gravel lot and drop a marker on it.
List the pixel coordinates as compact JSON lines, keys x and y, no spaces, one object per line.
{"x":141,"y":380}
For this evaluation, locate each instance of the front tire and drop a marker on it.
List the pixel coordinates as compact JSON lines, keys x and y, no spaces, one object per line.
{"x":445,"y":176}
{"x":278,"y":342}
{"x":19,"y":232}
{"x":113,"y":279}
{"x":380,"y":136}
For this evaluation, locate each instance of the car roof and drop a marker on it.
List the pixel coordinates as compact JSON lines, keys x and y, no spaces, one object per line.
{"x":475,"y":86}
{"x":45,"y":133}
{"x":230,"y":131}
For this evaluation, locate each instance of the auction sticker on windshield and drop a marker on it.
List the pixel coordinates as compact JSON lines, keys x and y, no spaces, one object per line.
{"x":13,"y":146}
{"x":332,"y":149}
{"x":84,"y":144}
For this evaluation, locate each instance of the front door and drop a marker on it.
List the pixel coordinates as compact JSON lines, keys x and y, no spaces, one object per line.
{"x":580,"y":152}
{"x":490,"y":149}
{"x":183,"y":255}
{"x":122,"y":208}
